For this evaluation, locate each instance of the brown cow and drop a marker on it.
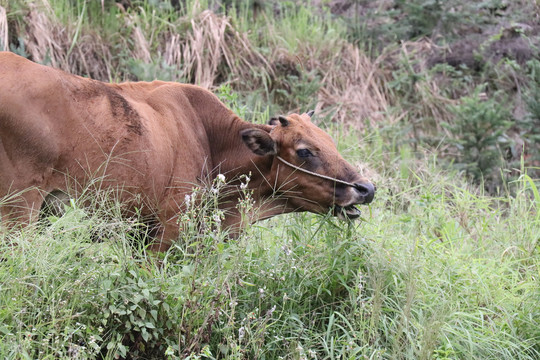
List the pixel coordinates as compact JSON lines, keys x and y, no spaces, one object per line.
{"x":154,"y":142}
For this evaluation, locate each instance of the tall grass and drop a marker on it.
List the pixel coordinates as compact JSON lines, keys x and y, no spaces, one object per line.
{"x":438,"y":271}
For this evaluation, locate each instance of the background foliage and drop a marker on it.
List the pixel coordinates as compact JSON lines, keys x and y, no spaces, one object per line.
{"x":438,"y":99}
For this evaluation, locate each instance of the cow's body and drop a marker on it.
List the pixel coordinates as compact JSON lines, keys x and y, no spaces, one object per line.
{"x":152,"y":141}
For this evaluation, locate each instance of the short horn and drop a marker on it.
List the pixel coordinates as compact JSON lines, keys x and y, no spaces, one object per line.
{"x":283,"y":120}
{"x":310,"y":113}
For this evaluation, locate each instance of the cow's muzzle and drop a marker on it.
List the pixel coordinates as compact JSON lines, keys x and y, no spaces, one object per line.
{"x":364,"y":194}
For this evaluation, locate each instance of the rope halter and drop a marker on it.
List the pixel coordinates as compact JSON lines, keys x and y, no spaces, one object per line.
{"x":315,"y":174}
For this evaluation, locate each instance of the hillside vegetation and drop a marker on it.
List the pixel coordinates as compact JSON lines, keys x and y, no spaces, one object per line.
{"x":436,"y":101}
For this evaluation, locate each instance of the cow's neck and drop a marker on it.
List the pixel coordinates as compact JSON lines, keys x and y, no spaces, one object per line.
{"x":231,"y":157}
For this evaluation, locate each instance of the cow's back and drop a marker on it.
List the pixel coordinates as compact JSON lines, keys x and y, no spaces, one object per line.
{"x":28,"y":141}
{"x":55,"y":125}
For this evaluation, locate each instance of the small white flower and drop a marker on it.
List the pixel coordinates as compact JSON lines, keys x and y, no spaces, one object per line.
{"x":221,"y":178}
{"x":241,"y":333}
{"x":187,"y":199}
{"x":261,"y":292}
{"x":271,"y":311}
{"x":286,"y":250}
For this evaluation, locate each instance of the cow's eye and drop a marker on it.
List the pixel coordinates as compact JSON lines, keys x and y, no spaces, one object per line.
{"x":303,"y":153}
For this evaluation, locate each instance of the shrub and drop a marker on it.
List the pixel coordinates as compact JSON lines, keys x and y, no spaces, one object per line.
{"x":135,"y":314}
{"x":479,"y":133}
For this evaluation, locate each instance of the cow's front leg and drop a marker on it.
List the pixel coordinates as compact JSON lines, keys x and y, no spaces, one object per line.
{"x":166,"y":236}
{"x":22,"y":209}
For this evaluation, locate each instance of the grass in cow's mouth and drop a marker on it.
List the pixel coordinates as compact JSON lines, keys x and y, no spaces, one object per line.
{"x":351,"y":212}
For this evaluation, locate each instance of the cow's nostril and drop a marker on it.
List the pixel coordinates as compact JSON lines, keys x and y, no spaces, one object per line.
{"x":367,"y":190}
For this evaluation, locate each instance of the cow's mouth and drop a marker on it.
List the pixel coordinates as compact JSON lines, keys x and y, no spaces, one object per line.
{"x":350,"y":212}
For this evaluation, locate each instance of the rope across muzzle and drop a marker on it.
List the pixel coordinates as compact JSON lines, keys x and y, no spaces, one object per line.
{"x":317,"y":175}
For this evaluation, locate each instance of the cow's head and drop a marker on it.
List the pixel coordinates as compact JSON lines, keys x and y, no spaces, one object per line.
{"x":307,"y":168}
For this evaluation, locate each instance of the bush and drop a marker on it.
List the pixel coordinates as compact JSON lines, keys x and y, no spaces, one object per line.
{"x":479,"y":135}
{"x":135,"y":315}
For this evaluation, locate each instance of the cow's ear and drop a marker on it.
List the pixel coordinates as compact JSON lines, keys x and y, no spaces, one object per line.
{"x":273,"y":121}
{"x":259,"y":141}
{"x":279,"y":120}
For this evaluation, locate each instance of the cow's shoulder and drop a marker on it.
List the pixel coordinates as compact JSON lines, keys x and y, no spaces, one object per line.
{"x":207,"y":103}
{"x":173,"y":95}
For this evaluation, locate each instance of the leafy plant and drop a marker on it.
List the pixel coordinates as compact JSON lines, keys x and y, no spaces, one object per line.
{"x":479,"y":134}
{"x":136,"y":317}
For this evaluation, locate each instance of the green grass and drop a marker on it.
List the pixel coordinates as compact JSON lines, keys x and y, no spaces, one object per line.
{"x":435,"y":271}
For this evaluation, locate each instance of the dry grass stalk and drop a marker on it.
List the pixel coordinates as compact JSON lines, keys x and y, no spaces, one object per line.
{"x":46,"y":38}
{"x":210,"y":43}
{"x":4,"y":38}
{"x":433,"y":103}
{"x":92,"y":56}
{"x":173,"y":53}
{"x":357,"y":85}
{"x":142,"y":45}
{"x":352,"y":82}
{"x":49,"y":41}
{"x":204,"y":47}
